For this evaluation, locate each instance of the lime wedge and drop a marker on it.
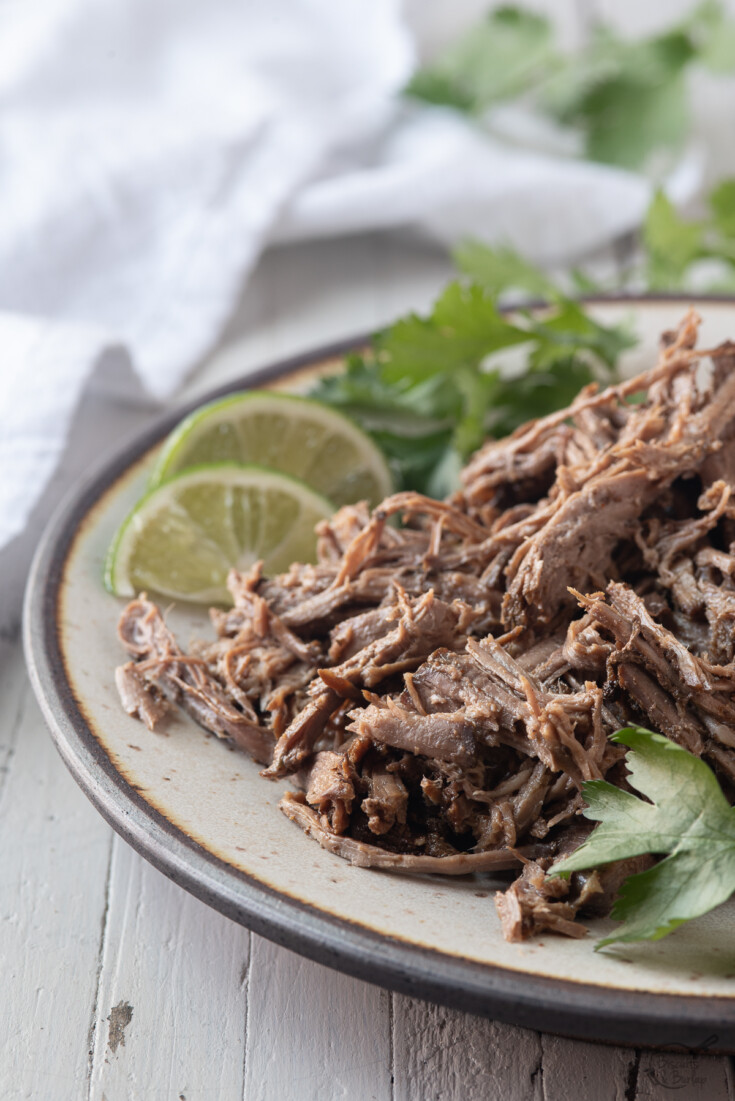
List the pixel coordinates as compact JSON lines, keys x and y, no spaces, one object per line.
{"x":292,"y":434}
{"x":183,"y":536}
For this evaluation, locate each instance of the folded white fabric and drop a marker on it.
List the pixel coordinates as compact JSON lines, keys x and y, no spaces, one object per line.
{"x":150,"y":149}
{"x":446,"y":176}
{"x":147,"y":148}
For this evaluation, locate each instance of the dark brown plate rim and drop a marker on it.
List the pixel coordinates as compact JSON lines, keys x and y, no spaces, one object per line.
{"x":584,"y":1011}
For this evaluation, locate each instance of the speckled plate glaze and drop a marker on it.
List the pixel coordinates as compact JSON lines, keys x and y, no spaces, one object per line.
{"x":201,"y":813}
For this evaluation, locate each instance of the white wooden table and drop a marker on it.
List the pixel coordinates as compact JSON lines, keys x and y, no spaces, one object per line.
{"x":118,"y":985}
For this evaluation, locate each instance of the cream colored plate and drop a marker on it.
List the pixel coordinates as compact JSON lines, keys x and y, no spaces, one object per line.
{"x":201,"y":812}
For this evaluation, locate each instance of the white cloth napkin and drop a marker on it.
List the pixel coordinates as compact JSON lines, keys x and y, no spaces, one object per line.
{"x":150,"y":149}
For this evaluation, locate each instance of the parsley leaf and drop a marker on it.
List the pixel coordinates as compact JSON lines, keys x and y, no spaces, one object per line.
{"x":688,"y":818}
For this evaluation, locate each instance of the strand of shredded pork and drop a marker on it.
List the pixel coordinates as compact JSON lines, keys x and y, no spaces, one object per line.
{"x":438,"y":691}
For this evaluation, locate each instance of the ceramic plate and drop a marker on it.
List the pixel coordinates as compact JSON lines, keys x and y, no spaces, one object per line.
{"x":201,"y":813}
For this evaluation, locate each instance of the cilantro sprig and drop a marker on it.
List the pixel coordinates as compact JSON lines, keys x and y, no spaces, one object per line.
{"x":673,"y":244}
{"x":627,"y":99}
{"x":431,"y":389}
{"x":508,"y":51}
{"x":686,"y":818}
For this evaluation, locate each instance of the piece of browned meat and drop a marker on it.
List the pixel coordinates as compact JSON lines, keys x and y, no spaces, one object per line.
{"x":161,"y":669}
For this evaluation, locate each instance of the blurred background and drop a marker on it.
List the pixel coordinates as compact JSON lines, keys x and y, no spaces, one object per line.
{"x":178,"y":178}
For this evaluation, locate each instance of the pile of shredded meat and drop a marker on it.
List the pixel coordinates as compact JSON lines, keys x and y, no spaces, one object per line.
{"x":438,"y":691}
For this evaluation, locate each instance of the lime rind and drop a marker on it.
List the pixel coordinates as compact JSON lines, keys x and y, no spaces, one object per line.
{"x":301,"y":508}
{"x":298,"y":436}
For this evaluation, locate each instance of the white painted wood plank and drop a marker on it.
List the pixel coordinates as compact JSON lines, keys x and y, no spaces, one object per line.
{"x":170,"y":1016}
{"x":444,"y":1055}
{"x":13,"y":689}
{"x":55,"y":854}
{"x":577,"y":1071}
{"x":313,"y":1034}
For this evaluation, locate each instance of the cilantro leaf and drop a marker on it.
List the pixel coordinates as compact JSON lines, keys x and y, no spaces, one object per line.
{"x":510,"y":49}
{"x":500,"y":270}
{"x":413,"y":425}
{"x":428,"y":391}
{"x":362,"y":392}
{"x":571,"y":330}
{"x":671,"y":242}
{"x":463,"y":328}
{"x":714,"y":35}
{"x":559,"y":334}
{"x":688,"y":818}
{"x":626,"y":121}
{"x":722,"y":205}
{"x":628,"y":99}
{"x":535,"y":394}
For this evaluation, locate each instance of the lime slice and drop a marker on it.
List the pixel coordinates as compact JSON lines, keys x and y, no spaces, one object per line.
{"x":298,"y":436}
{"x":183,"y":536}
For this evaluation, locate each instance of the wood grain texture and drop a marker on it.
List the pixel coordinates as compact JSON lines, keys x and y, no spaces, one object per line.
{"x":577,"y":1071}
{"x":171,"y":1008}
{"x":54,"y":853}
{"x":312,"y":1033}
{"x":442,"y":1054}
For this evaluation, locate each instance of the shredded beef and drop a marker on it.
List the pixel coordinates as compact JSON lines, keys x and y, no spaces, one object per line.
{"x":438,"y":689}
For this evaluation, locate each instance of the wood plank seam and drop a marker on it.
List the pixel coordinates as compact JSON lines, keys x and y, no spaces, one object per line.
{"x":98,"y":974}
{"x":537,"y":1074}
{"x":631,"y":1086}
{"x":6,"y":757}
{"x":730,"y":1076}
{"x":246,"y":1023}
{"x":392,"y":1045}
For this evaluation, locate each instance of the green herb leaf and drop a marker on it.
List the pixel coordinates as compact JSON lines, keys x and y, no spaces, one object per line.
{"x":535,"y":394}
{"x":625,"y":122}
{"x":672,"y":243}
{"x":501,"y":270}
{"x":688,"y":818}
{"x":714,"y":35}
{"x":463,"y":328}
{"x":722,"y":205}
{"x":627,"y":98}
{"x":584,"y":283}
{"x":510,"y":49}
{"x":571,"y":330}
{"x":426,"y":391}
